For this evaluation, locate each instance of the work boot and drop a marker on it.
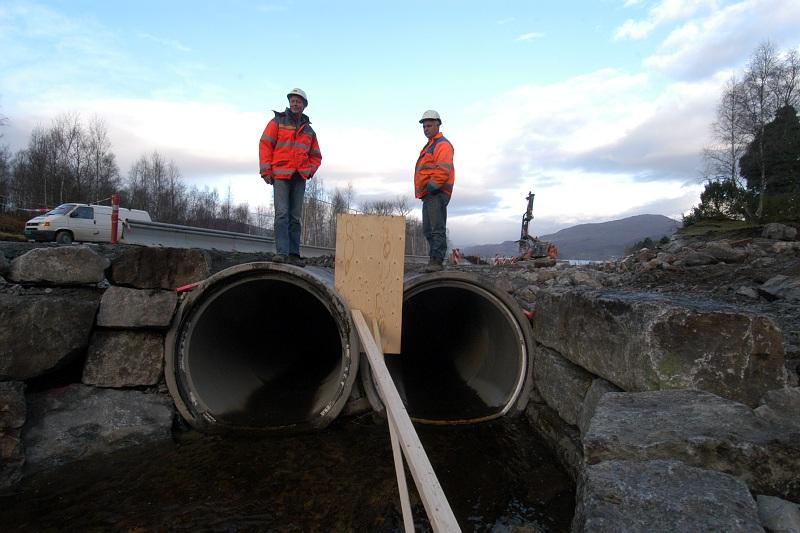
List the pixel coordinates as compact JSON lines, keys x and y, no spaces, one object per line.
{"x":278,"y":258}
{"x":296,"y":260}
{"x":434,"y":265}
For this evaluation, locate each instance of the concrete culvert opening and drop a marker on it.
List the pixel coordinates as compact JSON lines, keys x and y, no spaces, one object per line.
{"x":465,"y":351}
{"x":260,"y":347}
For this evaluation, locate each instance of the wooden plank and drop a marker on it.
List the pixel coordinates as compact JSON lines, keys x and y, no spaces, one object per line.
{"x":438,"y":509}
{"x":397,"y":454}
{"x":370,"y":252}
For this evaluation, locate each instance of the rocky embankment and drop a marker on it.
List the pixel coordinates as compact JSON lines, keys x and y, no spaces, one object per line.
{"x":665,"y":382}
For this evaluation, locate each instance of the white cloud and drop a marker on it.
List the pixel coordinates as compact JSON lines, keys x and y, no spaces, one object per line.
{"x":662,"y":13}
{"x":726,"y":36}
{"x":529,"y":36}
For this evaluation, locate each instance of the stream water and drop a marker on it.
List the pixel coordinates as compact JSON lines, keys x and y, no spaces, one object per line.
{"x":497,"y":476}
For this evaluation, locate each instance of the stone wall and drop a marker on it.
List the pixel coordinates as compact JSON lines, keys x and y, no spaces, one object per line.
{"x":82,"y":350}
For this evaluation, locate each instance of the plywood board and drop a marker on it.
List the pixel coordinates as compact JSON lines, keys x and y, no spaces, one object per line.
{"x":370,"y":255}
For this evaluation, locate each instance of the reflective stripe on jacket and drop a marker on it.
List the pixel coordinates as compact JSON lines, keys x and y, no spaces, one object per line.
{"x":286,"y":147}
{"x":435,"y":166}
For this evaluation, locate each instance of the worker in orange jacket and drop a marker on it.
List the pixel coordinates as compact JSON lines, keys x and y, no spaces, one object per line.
{"x":434,"y":176}
{"x":288,"y":155}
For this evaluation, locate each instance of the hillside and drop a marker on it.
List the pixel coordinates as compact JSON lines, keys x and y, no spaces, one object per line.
{"x":592,"y":241}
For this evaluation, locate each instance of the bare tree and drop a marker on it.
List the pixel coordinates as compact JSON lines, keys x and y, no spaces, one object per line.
{"x":787,"y":82}
{"x":759,"y":101}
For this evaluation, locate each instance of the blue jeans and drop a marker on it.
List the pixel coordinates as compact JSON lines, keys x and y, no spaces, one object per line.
{"x":434,"y":222}
{"x":288,"y":200}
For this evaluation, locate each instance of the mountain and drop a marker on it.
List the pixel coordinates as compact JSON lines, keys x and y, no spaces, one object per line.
{"x":592,"y":241}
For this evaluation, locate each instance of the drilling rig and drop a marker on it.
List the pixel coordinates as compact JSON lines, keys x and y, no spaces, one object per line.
{"x":533,"y":247}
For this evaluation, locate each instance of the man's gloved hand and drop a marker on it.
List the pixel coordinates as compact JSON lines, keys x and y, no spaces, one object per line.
{"x":432,"y":188}
{"x":269,"y":179}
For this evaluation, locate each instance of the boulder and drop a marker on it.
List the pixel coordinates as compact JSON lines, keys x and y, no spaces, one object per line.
{"x":12,"y":418}
{"x":123,"y":307}
{"x":562,"y":438}
{"x":661,"y":496}
{"x":780,"y":232}
{"x":787,"y":248}
{"x":561,"y":383}
{"x":747,"y":292}
{"x":77,"y":421}
{"x":160,"y":268}
{"x":40,"y":332}
{"x":781,"y":287}
{"x":693,"y":259}
{"x":723,"y":252}
{"x":124,"y":359}
{"x":64,"y":265}
{"x":781,"y":407}
{"x":777,"y":515}
{"x":647,"y":341}
{"x":700,"y":429}
{"x":596,"y":391}
{"x":4,"y":265}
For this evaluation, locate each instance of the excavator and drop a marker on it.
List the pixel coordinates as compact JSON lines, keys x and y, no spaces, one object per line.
{"x":532,"y":247}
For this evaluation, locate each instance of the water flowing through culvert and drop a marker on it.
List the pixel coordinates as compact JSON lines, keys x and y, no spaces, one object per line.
{"x":497,"y":476}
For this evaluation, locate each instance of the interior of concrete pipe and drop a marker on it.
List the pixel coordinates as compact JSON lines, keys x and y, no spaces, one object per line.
{"x":464,"y":353}
{"x":264,"y":351}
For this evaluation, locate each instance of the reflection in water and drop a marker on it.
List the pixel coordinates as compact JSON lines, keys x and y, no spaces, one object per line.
{"x":497,"y":476}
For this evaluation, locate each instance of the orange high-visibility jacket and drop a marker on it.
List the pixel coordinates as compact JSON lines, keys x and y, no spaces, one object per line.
{"x":435,"y":166}
{"x":286,"y":148}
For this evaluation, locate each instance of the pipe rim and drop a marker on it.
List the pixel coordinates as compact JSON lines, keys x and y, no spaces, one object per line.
{"x":520,"y":396}
{"x":191,"y":408}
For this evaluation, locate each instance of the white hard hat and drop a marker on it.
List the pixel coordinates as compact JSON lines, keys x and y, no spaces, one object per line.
{"x":298,"y":92}
{"x":430,"y":114}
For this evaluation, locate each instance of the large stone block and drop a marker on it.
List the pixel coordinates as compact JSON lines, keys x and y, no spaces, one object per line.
{"x":562,"y":438}
{"x":661,"y":496}
{"x":700,"y":429}
{"x":40,"y":332}
{"x":561,"y":383}
{"x":777,"y":515}
{"x":160,"y":268}
{"x":122,"y":307}
{"x":596,"y":391}
{"x":64,"y":265}
{"x":781,"y":287}
{"x":779,"y":231}
{"x":642,"y":341}
{"x":124,"y":359}
{"x":12,"y":404}
{"x":12,"y":418}
{"x":781,"y":407}
{"x":77,"y":421}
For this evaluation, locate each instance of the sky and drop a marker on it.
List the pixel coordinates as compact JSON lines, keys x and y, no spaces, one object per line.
{"x":601,"y":108}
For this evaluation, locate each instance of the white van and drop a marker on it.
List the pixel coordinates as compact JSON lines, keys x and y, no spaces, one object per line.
{"x":79,"y":222}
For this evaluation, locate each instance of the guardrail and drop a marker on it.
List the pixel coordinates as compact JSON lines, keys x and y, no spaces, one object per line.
{"x":176,"y":236}
{"x":405,"y":440}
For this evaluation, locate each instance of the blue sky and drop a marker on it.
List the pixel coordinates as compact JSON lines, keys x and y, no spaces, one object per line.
{"x":601,"y":108}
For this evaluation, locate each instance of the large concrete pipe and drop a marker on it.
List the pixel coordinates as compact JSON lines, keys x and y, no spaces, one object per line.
{"x":466,"y":349}
{"x":262,"y":346}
